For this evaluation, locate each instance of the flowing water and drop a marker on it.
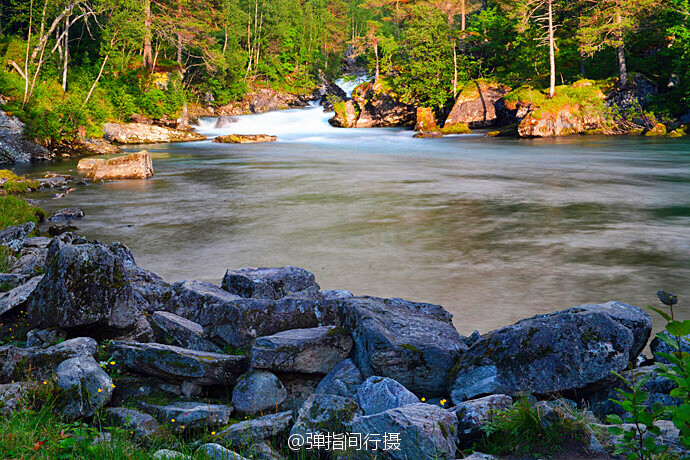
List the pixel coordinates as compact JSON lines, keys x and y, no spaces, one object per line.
{"x":494,"y":229}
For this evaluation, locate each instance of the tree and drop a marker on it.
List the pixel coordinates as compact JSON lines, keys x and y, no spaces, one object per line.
{"x":608,"y":22}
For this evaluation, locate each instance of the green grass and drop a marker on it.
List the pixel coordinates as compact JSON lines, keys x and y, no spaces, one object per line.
{"x":458,"y":128}
{"x":583,"y":93}
{"x":16,"y":211}
{"x":6,"y":262}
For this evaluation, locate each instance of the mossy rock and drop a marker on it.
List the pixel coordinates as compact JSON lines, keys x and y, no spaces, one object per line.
{"x":658,"y":130}
{"x":458,"y":128}
{"x":493,"y":134}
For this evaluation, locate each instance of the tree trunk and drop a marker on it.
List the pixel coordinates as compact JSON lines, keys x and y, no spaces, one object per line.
{"x":455,"y":71}
{"x":622,"y":67}
{"x":148,"y":55}
{"x":376,"y":53}
{"x":552,"y":53}
{"x":66,"y":55}
{"x":582,"y":65}
{"x":463,"y":15}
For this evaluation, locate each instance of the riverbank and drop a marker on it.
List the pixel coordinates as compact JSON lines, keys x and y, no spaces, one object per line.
{"x":268,"y":356}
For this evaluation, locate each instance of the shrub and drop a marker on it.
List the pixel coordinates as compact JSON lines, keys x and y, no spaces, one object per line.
{"x":16,"y":211}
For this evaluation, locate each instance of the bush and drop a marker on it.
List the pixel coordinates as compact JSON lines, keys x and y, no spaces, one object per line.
{"x":16,"y":211}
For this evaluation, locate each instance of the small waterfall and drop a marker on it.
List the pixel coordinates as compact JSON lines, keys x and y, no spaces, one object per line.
{"x":349,"y":83}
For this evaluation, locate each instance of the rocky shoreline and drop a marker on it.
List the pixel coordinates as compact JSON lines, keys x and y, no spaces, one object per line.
{"x":290,"y":359}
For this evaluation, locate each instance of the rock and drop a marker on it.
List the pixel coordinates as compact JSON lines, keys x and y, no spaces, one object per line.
{"x":53,"y":182}
{"x":13,"y":147}
{"x":190,"y":415}
{"x":328,"y":91}
{"x":474,"y":414}
{"x":84,"y":285}
{"x":260,"y":100}
{"x":257,"y":391}
{"x":426,"y":120}
{"x":480,"y":456}
{"x":31,"y":261}
{"x":426,"y":432}
{"x":669,"y":436}
{"x":11,"y":397}
{"x":131,"y":389}
{"x":658,"y":346}
{"x":299,"y":387}
{"x":268,"y":283}
{"x":561,"y":351}
{"x":175,"y":363}
{"x":336,"y":294}
{"x":245,"y":139}
{"x":231,"y":320}
{"x":133,"y":166}
{"x":380,"y":107}
{"x":143,"y":425}
{"x":97,"y":146}
{"x":182,"y":332}
{"x":9,"y":281}
{"x":345,"y":114}
{"x":18,"y":296}
{"x":262,"y":451}
{"x":150,"y":290}
{"x":139,"y":133}
{"x":378,"y":394}
{"x":412,"y":343}
{"x":323,"y":413}
{"x":658,"y":130}
{"x":67,"y":214}
{"x":342,"y":380}
{"x":167,"y":454}
{"x":312,"y":351}
{"x":248,"y":432}
{"x":224,"y":121}
{"x":428,"y":135}
{"x":86,"y":387}
{"x":563,"y":122}
{"x":13,"y":237}
{"x":44,"y":338}
{"x":218,"y":452}
{"x":476,"y":105}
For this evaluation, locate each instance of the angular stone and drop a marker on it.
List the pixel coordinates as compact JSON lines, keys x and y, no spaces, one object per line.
{"x":474,"y":414}
{"x":343,"y":380}
{"x":11,"y":396}
{"x":244,"y":139}
{"x":18,"y":296}
{"x":9,"y":281}
{"x":378,"y":394}
{"x":312,"y":351}
{"x":43,"y":338}
{"x":182,"y":332}
{"x":134,"y":166}
{"x":31,"y":262}
{"x":426,"y":431}
{"x":412,"y":343}
{"x":167,"y":454}
{"x":85,"y":285}
{"x":13,"y":237}
{"x":476,"y":104}
{"x":217,"y":452}
{"x":658,"y":346}
{"x":268,"y":283}
{"x":256,"y":430}
{"x":561,"y":351}
{"x":150,"y":290}
{"x":139,"y":133}
{"x":143,"y":425}
{"x":322,"y":413}
{"x":175,"y":363}
{"x":299,"y":387}
{"x":235,"y":321}
{"x":190,"y":415}
{"x":86,"y":387}
{"x":67,"y":214}
{"x":258,"y":391}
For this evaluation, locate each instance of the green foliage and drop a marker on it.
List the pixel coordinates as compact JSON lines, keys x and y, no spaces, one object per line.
{"x":16,"y":211}
{"x":524,"y":429}
{"x":6,"y":262}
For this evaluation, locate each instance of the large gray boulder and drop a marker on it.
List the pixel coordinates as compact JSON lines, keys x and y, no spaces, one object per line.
{"x":557,"y":352}
{"x":311,"y":351}
{"x":343,"y":380}
{"x":86,"y":387}
{"x":175,"y":363}
{"x":18,"y":296}
{"x":268,"y":283}
{"x":86,"y":287}
{"x":412,"y":343}
{"x":232,"y":320}
{"x":190,"y":415}
{"x":427,"y":432}
{"x":378,"y":394}
{"x":13,"y":237}
{"x":256,"y":430}
{"x":258,"y":391}
{"x":322,"y":413}
{"x":182,"y":332}
{"x":141,"y":424}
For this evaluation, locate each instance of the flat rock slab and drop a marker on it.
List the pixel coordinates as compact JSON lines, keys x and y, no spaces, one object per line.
{"x":190,"y":415}
{"x":561,"y":351}
{"x":311,"y":351}
{"x":13,"y":237}
{"x":182,"y":332}
{"x":412,"y":343}
{"x":134,"y":166}
{"x":139,"y":133}
{"x":268,"y":283}
{"x":142,"y":424}
{"x":245,"y":139}
{"x":170,"y":362}
{"x":252,"y":431}
{"x":19,"y":295}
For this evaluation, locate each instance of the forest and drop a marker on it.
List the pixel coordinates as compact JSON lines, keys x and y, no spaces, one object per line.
{"x":68,"y":66}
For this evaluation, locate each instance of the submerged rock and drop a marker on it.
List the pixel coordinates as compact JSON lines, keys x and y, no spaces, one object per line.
{"x":412,"y":343}
{"x":311,"y":351}
{"x":67,"y":214}
{"x":134,"y":166}
{"x":139,"y":133}
{"x":175,"y":363}
{"x":561,"y":351}
{"x":245,"y":139}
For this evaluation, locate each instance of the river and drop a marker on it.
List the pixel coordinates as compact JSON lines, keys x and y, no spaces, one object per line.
{"x":494,"y":229}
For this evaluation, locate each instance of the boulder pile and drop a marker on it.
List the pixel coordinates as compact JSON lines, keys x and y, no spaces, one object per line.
{"x":268,"y":356}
